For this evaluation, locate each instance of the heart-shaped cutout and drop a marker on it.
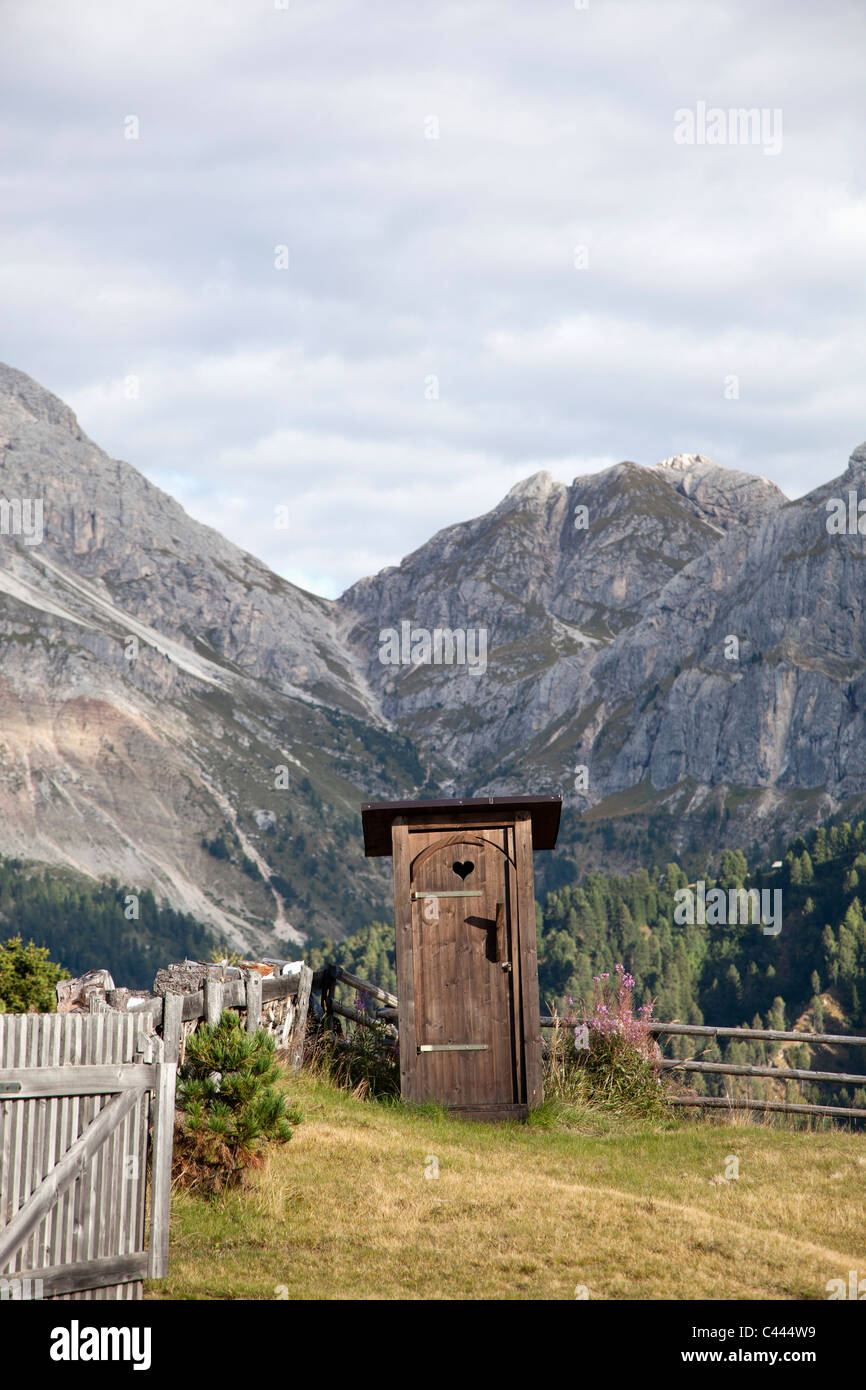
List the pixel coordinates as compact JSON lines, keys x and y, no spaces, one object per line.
{"x":463,"y":869}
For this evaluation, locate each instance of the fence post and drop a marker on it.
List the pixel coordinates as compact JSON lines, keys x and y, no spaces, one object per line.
{"x":172,"y":1027}
{"x":213,"y":1000}
{"x":254,"y":1000}
{"x":299,"y":1025}
{"x":161,"y":1161}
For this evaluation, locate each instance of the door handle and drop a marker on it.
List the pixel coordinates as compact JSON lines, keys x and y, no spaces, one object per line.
{"x":506,"y":965}
{"x":500,"y":936}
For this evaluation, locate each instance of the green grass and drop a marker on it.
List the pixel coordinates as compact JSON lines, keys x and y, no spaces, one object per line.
{"x":628,"y":1209}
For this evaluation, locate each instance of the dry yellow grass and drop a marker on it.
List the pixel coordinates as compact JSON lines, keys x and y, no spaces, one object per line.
{"x":622,"y":1209}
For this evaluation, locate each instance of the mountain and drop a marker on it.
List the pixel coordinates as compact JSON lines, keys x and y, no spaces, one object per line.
{"x":154,"y":679}
{"x":176,"y":717}
{"x":550,"y":595}
{"x":692,"y":654}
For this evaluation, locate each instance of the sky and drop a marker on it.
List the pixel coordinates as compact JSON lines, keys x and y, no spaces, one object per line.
{"x":339,"y":273}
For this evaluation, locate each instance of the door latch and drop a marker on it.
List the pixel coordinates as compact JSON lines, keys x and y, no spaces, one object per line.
{"x":506,"y":965}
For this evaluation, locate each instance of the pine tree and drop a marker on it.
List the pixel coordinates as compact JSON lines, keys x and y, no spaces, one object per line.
{"x":230,"y":1106}
{"x":27,"y":978}
{"x":776,"y":1016}
{"x":820,"y":849}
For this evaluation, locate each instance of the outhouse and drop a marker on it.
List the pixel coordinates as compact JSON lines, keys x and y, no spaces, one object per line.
{"x":467,"y":969}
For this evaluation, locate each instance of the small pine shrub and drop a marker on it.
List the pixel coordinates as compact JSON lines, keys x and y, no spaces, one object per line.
{"x":230,"y":1108}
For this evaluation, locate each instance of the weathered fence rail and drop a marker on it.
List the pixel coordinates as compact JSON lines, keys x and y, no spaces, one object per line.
{"x":790,"y":1107}
{"x":704,"y":1030}
{"x":763,"y":1072}
{"x":842,"y":1078}
{"x":707,"y":1031}
{"x":325,"y":981}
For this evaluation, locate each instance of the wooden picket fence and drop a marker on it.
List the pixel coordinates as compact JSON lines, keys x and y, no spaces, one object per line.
{"x":87,"y":1104}
{"x":84,"y":1103}
{"x":279,"y":1003}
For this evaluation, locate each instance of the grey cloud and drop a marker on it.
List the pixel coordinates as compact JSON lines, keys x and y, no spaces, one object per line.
{"x":412,"y":257}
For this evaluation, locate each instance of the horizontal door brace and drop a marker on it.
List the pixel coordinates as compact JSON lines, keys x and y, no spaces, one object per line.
{"x":453,"y":1047}
{"x":450,"y":893}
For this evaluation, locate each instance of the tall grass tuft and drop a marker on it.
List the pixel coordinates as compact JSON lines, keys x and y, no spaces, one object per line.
{"x":605,"y":1056}
{"x":365,"y":1060}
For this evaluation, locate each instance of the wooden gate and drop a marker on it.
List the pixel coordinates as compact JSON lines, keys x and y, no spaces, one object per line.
{"x":78,"y":1097}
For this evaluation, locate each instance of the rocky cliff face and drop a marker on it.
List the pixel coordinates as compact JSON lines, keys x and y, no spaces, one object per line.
{"x":141,"y":552}
{"x":159,"y":686}
{"x":678,"y":637}
{"x":748,"y":667}
{"x":553,"y":576}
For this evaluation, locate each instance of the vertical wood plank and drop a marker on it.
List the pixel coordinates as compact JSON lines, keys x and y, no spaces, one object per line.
{"x":299,"y":1026}
{"x":253,"y":989}
{"x":405,"y":957}
{"x":59,"y":1237}
{"x":172,"y":1026}
{"x":513,"y":938}
{"x":112,"y":1175}
{"x":31,"y":1154}
{"x":528,"y":961}
{"x":85,"y":1213}
{"x":140,"y":1120}
{"x":51,"y":1057}
{"x":14,"y":1176}
{"x":131,"y":1208}
{"x":46,"y":1059}
{"x":160,"y":1191}
{"x":213,"y":1001}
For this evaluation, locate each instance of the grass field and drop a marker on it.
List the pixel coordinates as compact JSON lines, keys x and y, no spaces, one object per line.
{"x":575,"y":1201}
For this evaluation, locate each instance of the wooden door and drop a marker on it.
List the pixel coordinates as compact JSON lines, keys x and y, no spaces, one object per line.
{"x":465,"y":968}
